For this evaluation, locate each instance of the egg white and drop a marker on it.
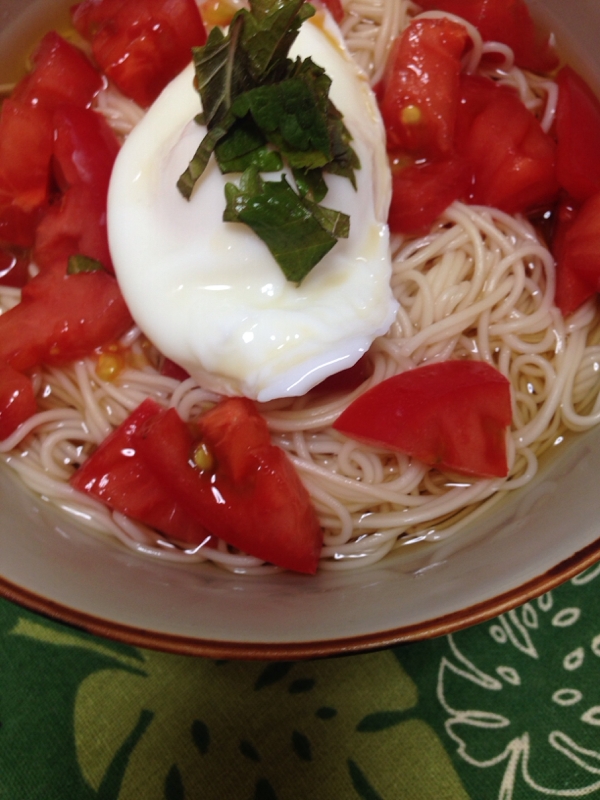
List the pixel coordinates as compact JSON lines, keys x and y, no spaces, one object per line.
{"x":209,"y":294}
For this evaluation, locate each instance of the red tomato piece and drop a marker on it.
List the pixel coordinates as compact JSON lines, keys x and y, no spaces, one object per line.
{"x":17,"y":227}
{"x":571,"y":289}
{"x":75,"y":225}
{"x":14,"y":268}
{"x":578,"y":257}
{"x":421,"y":192}
{"x":506,"y":21}
{"x":578,"y":136}
{"x":253,"y":499}
{"x":347,"y":380}
{"x":62,"y":318}
{"x":17,"y":400}
{"x":140,"y":46}
{"x":61,"y":73}
{"x":25,"y":153}
{"x":335,"y":8}
{"x":118,"y":476}
{"x":85,"y":149}
{"x":172,"y":370}
{"x":453,"y":414}
{"x":511,"y":158}
{"x":420,"y":90}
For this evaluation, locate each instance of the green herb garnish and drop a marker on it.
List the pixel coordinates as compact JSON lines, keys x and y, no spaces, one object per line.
{"x":80,"y":263}
{"x":263,"y":111}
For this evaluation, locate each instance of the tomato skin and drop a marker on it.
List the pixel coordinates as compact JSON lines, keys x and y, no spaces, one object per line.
{"x":172,"y":370}
{"x":25,"y":151}
{"x":14,"y":268}
{"x":74,"y":224}
{"x":506,"y":21}
{"x":17,"y":227}
{"x":577,"y":252}
{"x":347,"y":380}
{"x":85,"y":149}
{"x":511,"y":158}
{"x":452,"y":414}
{"x":421,"y":192}
{"x":578,"y":135}
{"x":140,"y":46}
{"x":62,"y":318}
{"x":335,"y":9}
{"x":237,"y":435}
{"x":117,"y":475}
{"x":571,"y":289}
{"x":418,"y":98}
{"x":254,"y":499}
{"x":61,"y":73}
{"x":419,"y":92}
{"x":17,"y":400}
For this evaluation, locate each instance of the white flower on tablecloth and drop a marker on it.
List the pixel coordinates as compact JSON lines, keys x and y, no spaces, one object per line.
{"x":522,"y":695}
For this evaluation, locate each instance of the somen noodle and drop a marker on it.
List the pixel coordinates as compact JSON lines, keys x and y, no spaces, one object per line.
{"x":480,"y":284}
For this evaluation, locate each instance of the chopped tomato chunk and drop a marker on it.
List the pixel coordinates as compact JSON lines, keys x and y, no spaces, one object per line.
{"x":452,"y":414}
{"x":577,"y":252}
{"x":420,"y":90}
{"x":336,"y":9}
{"x":61,"y":318}
{"x":118,"y":476}
{"x":172,"y":370}
{"x":17,"y":227}
{"x":571,"y":290}
{"x":421,"y":192}
{"x":61,"y":73}
{"x":17,"y":400}
{"x":578,"y":136}
{"x":511,"y":158}
{"x":74,"y":225}
{"x":85,"y":149}
{"x":252,"y":498}
{"x":14,"y":268}
{"x":140,"y":46}
{"x":25,"y":153}
{"x":506,"y":21}
{"x":347,"y":380}
{"x":419,"y":97}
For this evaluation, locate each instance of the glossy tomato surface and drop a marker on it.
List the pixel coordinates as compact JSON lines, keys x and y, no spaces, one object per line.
{"x":452,"y":414}
{"x":117,"y":475}
{"x":251,"y":497}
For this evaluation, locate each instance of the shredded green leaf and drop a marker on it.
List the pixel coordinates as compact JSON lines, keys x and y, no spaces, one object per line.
{"x":80,"y":263}
{"x":297,"y":237}
{"x":263,"y":111}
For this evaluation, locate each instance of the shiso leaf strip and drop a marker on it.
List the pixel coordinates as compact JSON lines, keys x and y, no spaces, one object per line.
{"x":262,"y":112}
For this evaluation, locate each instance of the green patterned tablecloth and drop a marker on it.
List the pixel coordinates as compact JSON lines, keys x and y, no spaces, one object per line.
{"x":508,"y":710}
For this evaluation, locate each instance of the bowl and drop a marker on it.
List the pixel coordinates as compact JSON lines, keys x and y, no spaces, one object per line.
{"x":523,"y":547}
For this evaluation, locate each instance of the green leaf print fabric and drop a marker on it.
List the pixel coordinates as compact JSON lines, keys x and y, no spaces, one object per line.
{"x":507,"y":710}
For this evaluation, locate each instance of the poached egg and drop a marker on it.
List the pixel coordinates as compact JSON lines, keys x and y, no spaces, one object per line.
{"x":209,"y":294}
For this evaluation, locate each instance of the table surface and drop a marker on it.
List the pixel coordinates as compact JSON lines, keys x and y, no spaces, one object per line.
{"x":509,"y":709}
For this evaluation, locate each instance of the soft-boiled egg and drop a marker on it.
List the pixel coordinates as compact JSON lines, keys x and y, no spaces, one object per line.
{"x":208,"y":293}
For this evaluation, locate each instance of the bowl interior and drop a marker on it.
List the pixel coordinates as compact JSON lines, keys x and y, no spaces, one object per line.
{"x":525,"y":545}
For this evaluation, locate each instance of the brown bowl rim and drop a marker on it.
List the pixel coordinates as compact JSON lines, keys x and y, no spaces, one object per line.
{"x":289,"y":651}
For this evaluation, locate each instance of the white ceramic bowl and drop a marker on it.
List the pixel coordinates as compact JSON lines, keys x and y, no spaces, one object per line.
{"x":526,"y":546}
